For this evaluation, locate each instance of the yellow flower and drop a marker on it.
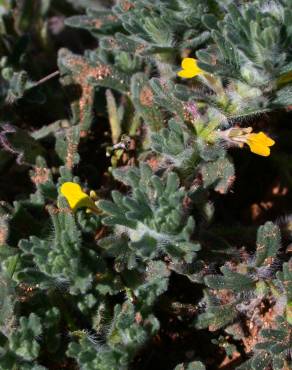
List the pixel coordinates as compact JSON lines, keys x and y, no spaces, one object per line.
{"x":190,"y":68}
{"x":259,"y":143}
{"x":76,"y":197}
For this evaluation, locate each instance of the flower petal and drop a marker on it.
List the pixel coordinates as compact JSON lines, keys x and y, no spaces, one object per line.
{"x":76,"y":197}
{"x":262,"y":138}
{"x":189,"y":63}
{"x":259,"y":149}
{"x":186,"y":73}
{"x":259,"y":143}
{"x":190,"y":68}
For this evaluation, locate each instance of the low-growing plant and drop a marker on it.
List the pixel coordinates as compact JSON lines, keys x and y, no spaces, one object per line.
{"x":145,"y":163}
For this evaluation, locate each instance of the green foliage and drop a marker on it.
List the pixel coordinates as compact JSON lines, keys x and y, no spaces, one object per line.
{"x":268,"y":243}
{"x":154,"y":218}
{"x":221,"y":172}
{"x":170,"y":256}
{"x":273,"y":349}
{"x":252,"y":277}
{"x":146,"y":30}
{"x":15,"y":21}
{"x":251,"y":47}
{"x":23,"y":341}
{"x":124,"y":337}
{"x":59,"y":259}
{"x":196,"y":365}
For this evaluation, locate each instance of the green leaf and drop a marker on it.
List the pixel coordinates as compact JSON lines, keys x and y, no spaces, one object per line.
{"x":268,"y":243}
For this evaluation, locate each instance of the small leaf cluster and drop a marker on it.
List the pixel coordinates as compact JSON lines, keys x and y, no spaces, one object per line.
{"x":153,"y":217}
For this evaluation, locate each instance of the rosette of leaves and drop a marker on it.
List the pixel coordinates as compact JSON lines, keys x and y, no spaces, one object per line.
{"x":125,"y":336}
{"x":251,"y":46}
{"x":176,"y":145}
{"x":44,"y":261}
{"x":16,"y":21}
{"x":241,"y":288}
{"x":84,"y":75}
{"x":240,"y":291}
{"x":21,"y":346}
{"x":147,"y":28}
{"x":151,"y":222}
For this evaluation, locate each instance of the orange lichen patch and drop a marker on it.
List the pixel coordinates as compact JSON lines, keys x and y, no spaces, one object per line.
{"x":146,"y":97}
{"x":250,"y":341}
{"x":100,"y":233}
{"x":84,"y":71}
{"x":225,"y":296}
{"x":286,"y":367}
{"x":138,"y":318}
{"x":126,"y":160}
{"x":153,"y":163}
{"x":187,"y":116}
{"x":224,"y":189}
{"x":140,"y":48}
{"x":262,"y":318}
{"x":3,"y":232}
{"x":213,"y":328}
{"x":71,"y":151}
{"x":26,"y":292}
{"x":112,"y":18}
{"x":83,"y":133}
{"x":230,"y":181}
{"x":268,"y":261}
{"x":101,"y":72}
{"x":70,"y":155}
{"x":40,"y":175}
{"x":85,"y":101}
{"x":54,"y":210}
{"x":127,"y":5}
{"x":3,"y":236}
{"x":229,"y":363}
{"x":97,"y":23}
